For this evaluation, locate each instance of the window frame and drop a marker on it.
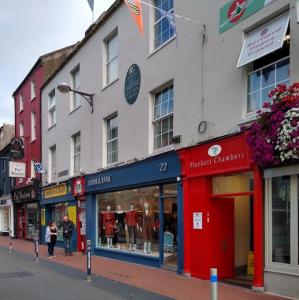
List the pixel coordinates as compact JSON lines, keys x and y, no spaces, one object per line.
{"x":51,"y":177}
{"x":32,"y":171}
{"x":33,"y":126}
{"x":74,"y":155}
{"x":110,"y":141}
{"x":274,"y":63}
{"x":51,"y":108}
{"x":75,"y":98}
{"x":156,"y":22}
{"x":169,"y":115}
{"x":32,"y":89}
{"x":21,"y":103}
{"x":109,"y":38}
{"x":293,"y":267}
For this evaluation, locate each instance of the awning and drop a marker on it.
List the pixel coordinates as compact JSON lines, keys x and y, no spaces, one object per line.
{"x":264,"y":40}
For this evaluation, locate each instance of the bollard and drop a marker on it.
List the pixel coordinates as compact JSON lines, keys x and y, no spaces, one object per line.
{"x":10,"y":243}
{"x":214,"y":284}
{"x":88,"y":260}
{"x":36,"y":250}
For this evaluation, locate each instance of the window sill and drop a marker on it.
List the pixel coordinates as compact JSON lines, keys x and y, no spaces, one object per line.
{"x":110,"y":83}
{"x":283,"y":269}
{"x":72,"y":111}
{"x":248,"y":119}
{"x":33,"y":141}
{"x":161,"y":46}
{"x":162,"y":150}
{"x":33,"y":98}
{"x":20,"y":111}
{"x":49,"y":128}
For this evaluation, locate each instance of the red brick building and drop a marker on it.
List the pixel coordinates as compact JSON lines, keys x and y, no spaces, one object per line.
{"x":27,"y":104}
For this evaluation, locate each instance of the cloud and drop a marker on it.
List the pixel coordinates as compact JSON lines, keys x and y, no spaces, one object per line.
{"x":32,"y":28}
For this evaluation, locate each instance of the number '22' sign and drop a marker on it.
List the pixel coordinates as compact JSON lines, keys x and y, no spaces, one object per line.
{"x":163,"y":167}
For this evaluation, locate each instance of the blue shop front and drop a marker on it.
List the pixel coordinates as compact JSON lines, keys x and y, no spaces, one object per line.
{"x":135,"y":212}
{"x":57,"y":201}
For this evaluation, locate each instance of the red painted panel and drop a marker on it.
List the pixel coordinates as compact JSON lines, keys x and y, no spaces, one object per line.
{"x":221,"y":156}
{"x":223,"y":236}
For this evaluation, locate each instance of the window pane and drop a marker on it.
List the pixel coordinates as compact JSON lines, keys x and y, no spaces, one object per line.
{"x":281,"y":219}
{"x":129,"y":220}
{"x":112,"y":70}
{"x":268,"y":76}
{"x":112,"y":48}
{"x":157,"y":128}
{"x":253,"y":101}
{"x":165,"y":141}
{"x":254,"y":82}
{"x":283,"y":70}
{"x":157,"y":112}
{"x":165,"y":127}
{"x":157,"y":142}
{"x":265,"y":94}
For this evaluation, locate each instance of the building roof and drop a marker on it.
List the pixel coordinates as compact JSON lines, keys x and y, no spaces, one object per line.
{"x":37,"y":63}
{"x":88,"y":34}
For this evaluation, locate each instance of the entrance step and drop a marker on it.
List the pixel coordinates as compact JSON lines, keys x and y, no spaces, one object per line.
{"x":241,"y":282}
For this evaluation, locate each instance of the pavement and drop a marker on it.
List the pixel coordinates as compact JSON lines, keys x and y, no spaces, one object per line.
{"x":113,"y":278}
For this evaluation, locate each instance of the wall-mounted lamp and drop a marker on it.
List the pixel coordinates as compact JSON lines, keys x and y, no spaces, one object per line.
{"x":64,"y":88}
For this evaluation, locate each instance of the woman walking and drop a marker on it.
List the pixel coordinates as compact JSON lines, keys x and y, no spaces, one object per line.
{"x":51,"y":237}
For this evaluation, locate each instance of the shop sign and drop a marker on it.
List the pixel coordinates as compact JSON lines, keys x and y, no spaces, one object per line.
{"x":43,"y":217}
{"x":55,"y":191}
{"x":17,"y":169}
{"x":72,"y":214}
{"x":197,"y":220}
{"x":264,"y":40}
{"x":78,"y":188}
{"x":227,"y":154}
{"x":99,"y":180}
{"x":27,"y":194}
{"x":236,"y":11}
{"x":132,"y":84}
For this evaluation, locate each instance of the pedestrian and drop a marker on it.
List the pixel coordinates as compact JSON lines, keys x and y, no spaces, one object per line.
{"x":67,"y":227}
{"x":51,"y":237}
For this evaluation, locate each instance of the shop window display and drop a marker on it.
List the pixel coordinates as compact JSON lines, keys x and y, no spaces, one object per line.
{"x":59,"y":211}
{"x":32,"y":220}
{"x":129,"y":220}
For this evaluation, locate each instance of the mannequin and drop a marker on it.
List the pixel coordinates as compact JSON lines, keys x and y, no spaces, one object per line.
{"x":132,"y":224}
{"x":120,"y":216}
{"x":109,"y":225}
{"x":148,"y":225}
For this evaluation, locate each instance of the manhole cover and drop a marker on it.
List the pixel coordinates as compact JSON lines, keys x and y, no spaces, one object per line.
{"x":15,"y":275}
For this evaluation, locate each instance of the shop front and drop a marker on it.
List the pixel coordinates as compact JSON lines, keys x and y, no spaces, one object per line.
{"x":282,"y":230}
{"x":135,"y":212}
{"x":57,"y":201}
{"x":223,"y":211}
{"x":6,"y":216}
{"x":26,"y":212}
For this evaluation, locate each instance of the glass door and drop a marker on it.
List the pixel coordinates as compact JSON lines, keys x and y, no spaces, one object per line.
{"x":170,"y":227}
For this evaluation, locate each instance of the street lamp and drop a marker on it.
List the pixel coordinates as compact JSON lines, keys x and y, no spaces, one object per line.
{"x":64,"y":88}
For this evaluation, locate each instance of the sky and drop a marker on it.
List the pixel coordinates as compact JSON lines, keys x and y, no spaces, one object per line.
{"x":31,"y":28}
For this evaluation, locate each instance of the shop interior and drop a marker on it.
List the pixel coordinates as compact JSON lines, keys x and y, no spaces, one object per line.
{"x":232,"y":206}
{"x":129,"y":221}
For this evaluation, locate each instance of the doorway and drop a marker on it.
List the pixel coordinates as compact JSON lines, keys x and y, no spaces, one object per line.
{"x":21,"y":225}
{"x":170,"y":227}
{"x":232,"y":228}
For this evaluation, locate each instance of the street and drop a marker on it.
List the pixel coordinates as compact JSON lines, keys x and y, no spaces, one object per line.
{"x":22,"y":278}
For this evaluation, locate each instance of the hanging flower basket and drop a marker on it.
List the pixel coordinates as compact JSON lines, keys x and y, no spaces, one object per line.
{"x":274,"y":136}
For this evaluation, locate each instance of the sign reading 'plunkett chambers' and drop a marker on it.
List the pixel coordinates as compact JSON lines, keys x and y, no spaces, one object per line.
{"x":238,"y":10}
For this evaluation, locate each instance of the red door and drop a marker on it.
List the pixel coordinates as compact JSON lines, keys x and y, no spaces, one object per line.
{"x":21,"y":229}
{"x":223,"y":236}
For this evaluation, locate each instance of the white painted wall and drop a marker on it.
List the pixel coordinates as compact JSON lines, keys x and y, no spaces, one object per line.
{"x":180,"y":60}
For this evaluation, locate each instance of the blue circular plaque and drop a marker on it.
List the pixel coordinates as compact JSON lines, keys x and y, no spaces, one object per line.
{"x":132,"y":84}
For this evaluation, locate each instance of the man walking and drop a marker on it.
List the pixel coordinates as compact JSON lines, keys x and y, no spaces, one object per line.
{"x":67,"y":227}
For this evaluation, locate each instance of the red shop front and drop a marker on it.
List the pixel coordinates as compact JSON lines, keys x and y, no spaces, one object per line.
{"x":223,"y":210}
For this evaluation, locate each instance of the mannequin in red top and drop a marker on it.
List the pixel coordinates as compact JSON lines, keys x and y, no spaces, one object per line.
{"x":109,"y":225}
{"x":132,"y":225}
